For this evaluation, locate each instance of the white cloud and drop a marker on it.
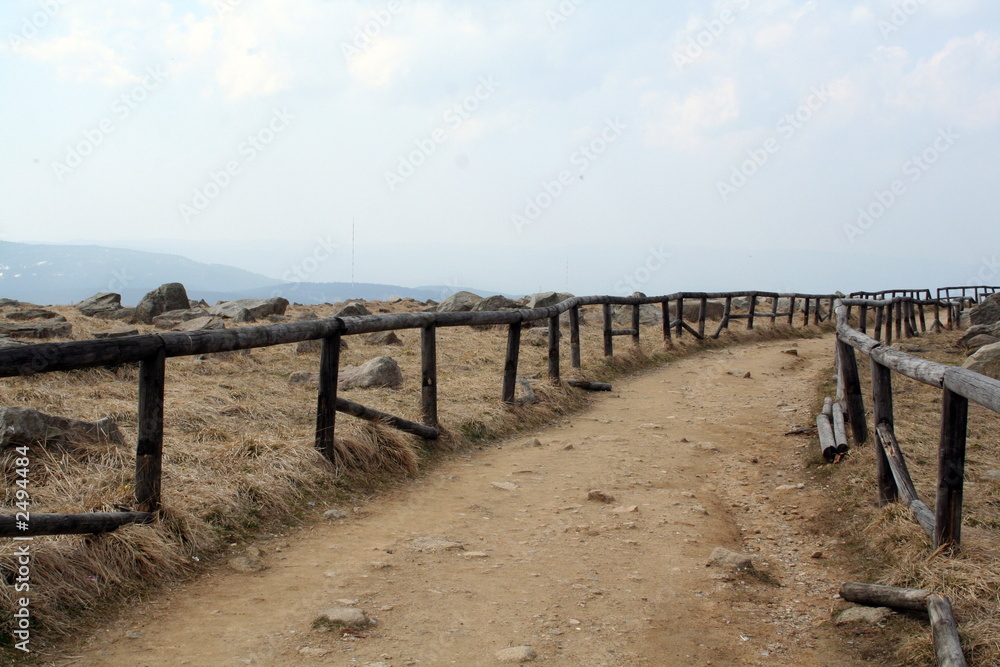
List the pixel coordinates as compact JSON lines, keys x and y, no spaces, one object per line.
{"x":687,"y":122}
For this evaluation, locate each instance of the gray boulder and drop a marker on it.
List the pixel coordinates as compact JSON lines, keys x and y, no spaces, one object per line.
{"x":127,"y":314}
{"x":352,"y":309}
{"x":379,"y":372}
{"x":43,"y":329}
{"x":496,"y":302}
{"x":383,"y":338}
{"x":979,"y":341}
{"x":459,"y":302}
{"x":171,"y":296}
{"x":988,"y":312}
{"x":257,"y":309}
{"x":986,"y":360}
{"x":692,"y":307}
{"x":546,"y":299}
{"x":206,"y":323}
{"x":28,"y":426}
{"x":649,"y":313}
{"x":117,"y":332}
{"x":100,"y":303}
{"x":34,"y":314}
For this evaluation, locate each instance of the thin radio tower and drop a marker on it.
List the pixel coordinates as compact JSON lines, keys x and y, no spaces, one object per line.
{"x":352,"y":255}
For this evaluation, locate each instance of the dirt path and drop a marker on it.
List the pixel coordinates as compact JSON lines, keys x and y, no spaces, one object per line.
{"x":693,"y":455}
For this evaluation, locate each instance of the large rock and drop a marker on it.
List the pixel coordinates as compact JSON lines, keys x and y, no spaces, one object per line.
{"x":28,"y":426}
{"x":127,"y":314}
{"x":986,"y":360}
{"x":692,"y":307}
{"x":459,"y":302}
{"x":257,"y":309}
{"x":352,"y":309}
{"x":42,"y":329}
{"x":181,"y":315}
{"x":649,"y":313}
{"x":979,"y":341}
{"x":206,"y":323}
{"x":117,"y":332}
{"x":496,"y":302}
{"x":171,"y":296}
{"x":34,"y":314}
{"x":100,"y":303}
{"x":339,"y":618}
{"x":546,"y":299}
{"x":988,"y":312}
{"x":379,"y":372}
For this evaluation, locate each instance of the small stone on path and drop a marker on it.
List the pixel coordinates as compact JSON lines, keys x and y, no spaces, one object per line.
{"x":341,"y":617}
{"x":505,"y":486}
{"x":245,"y":564}
{"x":516,"y":654}
{"x":600,"y":496}
{"x":333,"y":515}
{"x":870,"y":615}
{"x":723,"y":557}
{"x":433,"y":544}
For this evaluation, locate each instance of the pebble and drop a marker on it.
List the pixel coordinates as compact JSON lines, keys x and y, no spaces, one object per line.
{"x":333,"y":515}
{"x":600,"y":496}
{"x":341,"y":617}
{"x":516,"y":654}
{"x":505,"y":486}
{"x":245,"y":564}
{"x":870,"y":615}
{"x":625,"y":509}
{"x":723,"y":557}
{"x":310,"y":652}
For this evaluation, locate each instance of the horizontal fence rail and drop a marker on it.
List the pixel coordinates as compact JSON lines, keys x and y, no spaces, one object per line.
{"x":150,"y":351}
{"x":958,"y":386}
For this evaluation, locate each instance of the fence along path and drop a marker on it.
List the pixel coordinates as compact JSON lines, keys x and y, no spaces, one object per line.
{"x":152,"y":350}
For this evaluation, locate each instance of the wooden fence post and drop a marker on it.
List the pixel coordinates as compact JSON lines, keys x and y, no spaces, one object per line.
{"x":852,"y":392}
{"x":609,"y":346}
{"x":791,"y":311}
{"x":727,"y":312}
{"x":554,"y":348}
{"x":863,"y":319}
{"x":428,"y":375}
{"x":753,"y":310}
{"x":149,"y":448}
{"x":702,"y":312}
{"x":510,"y":362}
{"x":923,"y":318}
{"x":636,"y":308}
{"x":879,"y":316}
{"x":899,"y":320}
{"x":680,"y":316}
{"x":888,"y":323}
{"x":882,"y":400}
{"x":665,"y":307}
{"x":326,"y":401}
{"x":951,"y":469}
{"x":805,"y":312}
{"x":774,"y":311}
{"x":574,"y":336}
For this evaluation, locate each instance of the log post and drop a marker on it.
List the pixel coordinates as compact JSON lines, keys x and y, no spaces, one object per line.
{"x":753,"y":310}
{"x":609,"y":346}
{"x":574,"y":337}
{"x":665,"y":307}
{"x":882,"y":399}
{"x":428,"y":373}
{"x":877,"y":595}
{"x":899,"y":320}
{"x":805,"y":312}
{"x":774,"y":311}
{"x":888,"y":323}
{"x":894,"y":455}
{"x":922,"y":317}
{"x":863,"y":319}
{"x":879,"y":316}
{"x":819,"y":306}
{"x":951,"y":469}
{"x":944,"y":631}
{"x":149,"y":448}
{"x":827,"y":442}
{"x":636,"y":315}
{"x":791,"y":311}
{"x":680,"y":316}
{"x":702,"y":312}
{"x":852,"y":392}
{"x":326,"y":401}
{"x":510,"y":362}
{"x":554,"y":348}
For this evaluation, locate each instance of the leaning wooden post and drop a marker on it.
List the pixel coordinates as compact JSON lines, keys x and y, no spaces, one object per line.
{"x":510,"y":362}
{"x":636,"y":313}
{"x":951,"y":469}
{"x":702,"y":313}
{"x":922,"y":316}
{"x":574,"y":336}
{"x":753,"y":310}
{"x":944,"y":632}
{"x":791,"y":310}
{"x":609,"y":345}
{"x":680,"y":316}
{"x":554,"y":348}
{"x":149,"y":448}
{"x":852,"y":392}
{"x":727,"y":311}
{"x":882,"y":399}
{"x":665,"y":307}
{"x":326,"y":402}
{"x":428,"y":373}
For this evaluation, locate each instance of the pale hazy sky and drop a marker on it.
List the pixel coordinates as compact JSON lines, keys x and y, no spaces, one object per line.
{"x":512,"y":126}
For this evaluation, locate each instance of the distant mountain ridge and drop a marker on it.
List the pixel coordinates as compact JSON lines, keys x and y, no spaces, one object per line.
{"x":66,"y":274}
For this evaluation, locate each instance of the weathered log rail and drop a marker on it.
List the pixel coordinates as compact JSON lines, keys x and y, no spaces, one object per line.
{"x":958,"y":386}
{"x":150,"y":351}
{"x":979,"y":292}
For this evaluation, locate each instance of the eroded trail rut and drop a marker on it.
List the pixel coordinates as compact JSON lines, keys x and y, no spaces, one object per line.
{"x":694,"y":457}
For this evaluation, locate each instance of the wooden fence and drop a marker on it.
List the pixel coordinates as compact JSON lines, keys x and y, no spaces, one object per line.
{"x":150,"y":351}
{"x":958,"y":387}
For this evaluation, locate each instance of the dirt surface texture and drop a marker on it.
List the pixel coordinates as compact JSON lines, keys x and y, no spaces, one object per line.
{"x":585,"y":543}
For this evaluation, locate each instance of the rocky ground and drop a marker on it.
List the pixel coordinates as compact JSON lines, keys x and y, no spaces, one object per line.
{"x":586,"y":543}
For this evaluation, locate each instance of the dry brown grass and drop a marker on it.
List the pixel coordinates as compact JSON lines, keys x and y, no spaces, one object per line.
{"x":890,"y":548}
{"x":239,"y":457}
